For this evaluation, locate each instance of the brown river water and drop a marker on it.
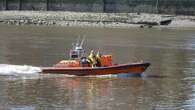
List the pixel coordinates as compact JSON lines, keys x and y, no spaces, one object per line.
{"x":168,"y":84}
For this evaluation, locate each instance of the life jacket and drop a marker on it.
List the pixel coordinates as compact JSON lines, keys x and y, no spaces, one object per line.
{"x":98,"y":59}
{"x":91,"y":59}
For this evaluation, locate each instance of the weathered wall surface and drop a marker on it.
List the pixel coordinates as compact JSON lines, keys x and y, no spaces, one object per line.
{"x":152,"y":6}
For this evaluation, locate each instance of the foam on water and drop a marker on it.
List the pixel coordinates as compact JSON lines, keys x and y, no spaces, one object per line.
{"x":6,"y":69}
{"x":104,"y":76}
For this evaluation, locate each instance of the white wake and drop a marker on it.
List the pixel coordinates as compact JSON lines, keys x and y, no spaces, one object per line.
{"x":6,"y":69}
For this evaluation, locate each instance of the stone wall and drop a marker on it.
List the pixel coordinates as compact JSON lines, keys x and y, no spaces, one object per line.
{"x":186,"y":7}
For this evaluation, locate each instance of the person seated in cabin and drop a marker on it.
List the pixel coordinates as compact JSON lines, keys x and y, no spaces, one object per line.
{"x":84,"y":62}
{"x":92,"y":59}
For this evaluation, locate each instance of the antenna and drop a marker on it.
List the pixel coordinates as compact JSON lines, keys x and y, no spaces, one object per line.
{"x":78,"y":40}
{"x":81,"y":44}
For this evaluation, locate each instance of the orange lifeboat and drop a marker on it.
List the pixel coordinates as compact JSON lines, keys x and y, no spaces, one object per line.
{"x":80,"y":66}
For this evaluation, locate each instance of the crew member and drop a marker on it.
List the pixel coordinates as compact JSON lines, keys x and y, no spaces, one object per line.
{"x":91,"y":59}
{"x":98,"y":59}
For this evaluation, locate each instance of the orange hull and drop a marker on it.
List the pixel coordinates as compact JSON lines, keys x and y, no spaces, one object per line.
{"x":137,"y":68}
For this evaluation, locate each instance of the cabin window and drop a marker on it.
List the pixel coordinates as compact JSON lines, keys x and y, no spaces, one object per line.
{"x":74,"y":56}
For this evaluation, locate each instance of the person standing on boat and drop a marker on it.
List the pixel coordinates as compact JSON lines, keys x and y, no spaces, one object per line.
{"x":92,"y":59}
{"x":98,"y":59}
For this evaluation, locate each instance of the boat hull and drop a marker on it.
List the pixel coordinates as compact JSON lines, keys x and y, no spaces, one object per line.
{"x":137,"y":68}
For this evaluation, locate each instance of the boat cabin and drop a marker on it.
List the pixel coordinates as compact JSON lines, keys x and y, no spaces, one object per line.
{"x":77,"y":52}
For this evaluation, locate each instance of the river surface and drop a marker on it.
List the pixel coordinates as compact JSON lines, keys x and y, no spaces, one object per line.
{"x":168,"y":84}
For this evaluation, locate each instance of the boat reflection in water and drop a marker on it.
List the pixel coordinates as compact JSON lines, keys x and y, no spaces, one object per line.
{"x":73,"y":92}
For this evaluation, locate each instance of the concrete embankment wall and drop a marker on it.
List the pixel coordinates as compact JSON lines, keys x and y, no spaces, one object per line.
{"x":186,"y":7}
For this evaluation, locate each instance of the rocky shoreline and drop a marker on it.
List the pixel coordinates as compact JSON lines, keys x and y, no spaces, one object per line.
{"x":81,"y":19}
